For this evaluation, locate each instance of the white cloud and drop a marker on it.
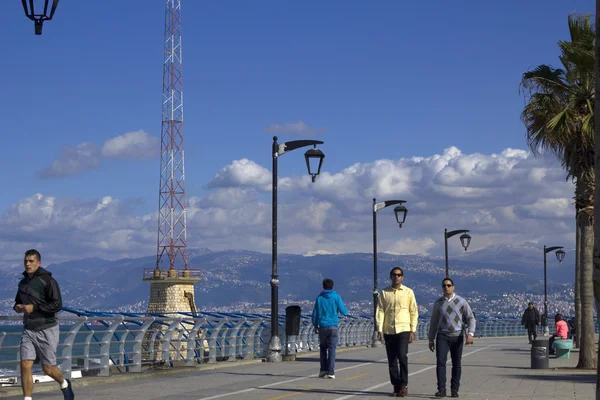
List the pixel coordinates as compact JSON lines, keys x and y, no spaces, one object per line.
{"x":132,"y":145}
{"x":72,"y":161}
{"x":86,"y":156}
{"x":298,"y":128}
{"x":242,"y":172}
{"x":511,"y":197}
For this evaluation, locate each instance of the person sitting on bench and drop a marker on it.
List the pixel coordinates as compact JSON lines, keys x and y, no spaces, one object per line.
{"x":562,"y":332}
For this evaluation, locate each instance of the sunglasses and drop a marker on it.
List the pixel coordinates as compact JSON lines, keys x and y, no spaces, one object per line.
{"x":447,"y":285}
{"x":396,"y":275}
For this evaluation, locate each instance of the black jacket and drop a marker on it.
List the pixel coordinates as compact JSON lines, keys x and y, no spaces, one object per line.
{"x":530,"y":317}
{"x":43,"y":292}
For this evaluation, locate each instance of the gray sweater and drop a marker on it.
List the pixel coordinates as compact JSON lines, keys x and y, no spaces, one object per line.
{"x":450,"y":316}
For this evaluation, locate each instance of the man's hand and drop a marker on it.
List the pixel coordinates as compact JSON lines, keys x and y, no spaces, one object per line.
{"x":379,"y":336}
{"x":469,"y":340}
{"x":412,"y":337}
{"x":28,"y":308}
{"x":431,"y":346}
{"x":19,"y":308}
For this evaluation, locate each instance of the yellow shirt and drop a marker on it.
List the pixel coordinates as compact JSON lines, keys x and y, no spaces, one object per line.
{"x":397,"y":311}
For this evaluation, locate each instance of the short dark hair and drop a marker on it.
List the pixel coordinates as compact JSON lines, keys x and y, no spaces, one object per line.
{"x":557,"y":317}
{"x":327,"y":284}
{"x":448,"y":279}
{"x":396,"y":268}
{"x":530,"y":303}
{"x":33,"y":252}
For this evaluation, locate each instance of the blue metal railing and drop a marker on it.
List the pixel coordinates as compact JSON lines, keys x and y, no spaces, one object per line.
{"x":104,"y":343}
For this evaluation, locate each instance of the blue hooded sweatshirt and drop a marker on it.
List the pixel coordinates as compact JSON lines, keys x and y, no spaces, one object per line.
{"x":326,"y":309}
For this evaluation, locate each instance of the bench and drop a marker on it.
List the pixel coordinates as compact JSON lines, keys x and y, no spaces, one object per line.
{"x":563,"y":347}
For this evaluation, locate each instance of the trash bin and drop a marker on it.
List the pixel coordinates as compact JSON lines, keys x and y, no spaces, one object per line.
{"x":540,"y":354}
{"x":292,"y":320}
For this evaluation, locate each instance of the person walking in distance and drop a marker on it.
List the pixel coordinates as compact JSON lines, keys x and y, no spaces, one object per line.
{"x":531,"y":319}
{"x":38,"y":298}
{"x":396,"y":317}
{"x":325,"y":320}
{"x":450,"y":313}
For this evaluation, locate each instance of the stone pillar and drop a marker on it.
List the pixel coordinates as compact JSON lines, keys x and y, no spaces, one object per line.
{"x":170,"y":292}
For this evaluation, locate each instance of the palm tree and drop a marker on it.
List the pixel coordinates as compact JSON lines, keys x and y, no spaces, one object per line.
{"x":596,"y":274}
{"x":559,"y":117}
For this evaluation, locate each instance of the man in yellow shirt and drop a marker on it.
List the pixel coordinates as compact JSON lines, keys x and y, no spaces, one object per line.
{"x":397,"y":315}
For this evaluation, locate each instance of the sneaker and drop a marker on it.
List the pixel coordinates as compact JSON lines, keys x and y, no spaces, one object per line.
{"x":68,"y":391}
{"x":403,"y":392}
{"x":332,"y":376}
{"x":322,"y":374}
{"x":440,"y":393}
{"x":454,"y":394}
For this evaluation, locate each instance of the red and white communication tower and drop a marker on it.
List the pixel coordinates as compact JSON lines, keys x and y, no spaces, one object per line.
{"x":172,"y":235}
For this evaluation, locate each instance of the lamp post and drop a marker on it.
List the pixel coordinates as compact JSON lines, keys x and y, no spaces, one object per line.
{"x":312,"y":155}
{"x":39,"y":18}
{"x":560,"y":256}
{"x":400,"y":212}
{"x":465,"y":240}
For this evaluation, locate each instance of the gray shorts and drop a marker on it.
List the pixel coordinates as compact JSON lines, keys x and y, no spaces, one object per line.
{"x":40,"y":346}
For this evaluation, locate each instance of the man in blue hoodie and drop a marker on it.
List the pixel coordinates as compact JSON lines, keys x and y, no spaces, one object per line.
{"x":325,"y":320}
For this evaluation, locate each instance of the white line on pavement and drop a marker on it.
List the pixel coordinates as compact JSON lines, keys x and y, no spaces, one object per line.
{"x":411,"y":374}
{"x":218,"y":396}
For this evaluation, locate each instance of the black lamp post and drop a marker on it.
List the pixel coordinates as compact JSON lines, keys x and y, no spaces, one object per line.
{"x":39,"y":17}
{"x":560,"y":256}
{"x":311,"y":156}
{"x":465,"y":240}
{"x":400,"y":212}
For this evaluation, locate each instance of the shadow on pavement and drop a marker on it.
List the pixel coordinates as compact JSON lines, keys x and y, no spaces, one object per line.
{"x":345,"y":392}
{"x":568,"y":377}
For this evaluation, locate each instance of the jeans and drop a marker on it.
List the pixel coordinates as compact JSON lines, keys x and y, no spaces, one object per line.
{"x":328,"y":341}
{"x":396,"y":347}
{"x":531,"y":332}
{"x":443,"y":344}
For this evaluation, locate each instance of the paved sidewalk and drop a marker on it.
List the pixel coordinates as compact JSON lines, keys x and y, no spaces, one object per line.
{"x":493,"y":369}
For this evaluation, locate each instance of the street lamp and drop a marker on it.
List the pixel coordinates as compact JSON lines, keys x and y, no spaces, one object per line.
{"x":39,"y":18}
{"x":560,"y":256}
{"x":312,"y":156}
{"x":465,"y":240}
{"x":400,"y":212}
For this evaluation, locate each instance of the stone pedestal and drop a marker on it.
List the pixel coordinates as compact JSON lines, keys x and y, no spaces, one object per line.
{"x":171,"y":291}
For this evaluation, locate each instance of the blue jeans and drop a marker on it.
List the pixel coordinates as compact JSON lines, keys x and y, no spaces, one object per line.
{"x":454,"y":345}
{"x":328,"y":341}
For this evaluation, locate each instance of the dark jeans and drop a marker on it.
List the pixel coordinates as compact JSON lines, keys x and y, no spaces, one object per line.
{"x":531,"y":332}
{"x":396,"y":347}
{"x":328,"y":341}
{"x":443,"y":344}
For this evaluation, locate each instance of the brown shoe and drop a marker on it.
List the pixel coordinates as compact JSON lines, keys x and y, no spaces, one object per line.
{"x":403,"y":391}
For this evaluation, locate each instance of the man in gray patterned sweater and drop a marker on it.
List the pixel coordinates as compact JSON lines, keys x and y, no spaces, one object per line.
{"x":450,"y":315}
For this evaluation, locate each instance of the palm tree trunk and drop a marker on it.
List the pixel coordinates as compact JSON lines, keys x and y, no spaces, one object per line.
{"x":596,"y":272}
{"x":577,"y":279}
{"x":587,"y":351}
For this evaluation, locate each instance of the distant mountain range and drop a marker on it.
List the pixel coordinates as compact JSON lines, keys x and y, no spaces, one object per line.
{"x":239,"y":280}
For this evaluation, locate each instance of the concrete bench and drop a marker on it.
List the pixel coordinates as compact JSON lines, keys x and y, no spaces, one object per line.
{"x":563,"y":347}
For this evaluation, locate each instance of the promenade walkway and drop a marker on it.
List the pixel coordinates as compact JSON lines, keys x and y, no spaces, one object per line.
{"x":493,"y":368}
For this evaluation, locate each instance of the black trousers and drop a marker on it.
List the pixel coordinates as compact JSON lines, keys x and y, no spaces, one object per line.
{"x":531,"y":332}
{"x":396,"y":347}
{"x":443,"y":344}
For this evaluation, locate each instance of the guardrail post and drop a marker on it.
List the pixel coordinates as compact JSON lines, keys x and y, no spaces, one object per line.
{"x":212,"y":341}
{"x":105,"y":347}
{"x":138,"y":340}
{"x":67,"y":347}
{"x":167,"y":338}
{"x":192,"y":343}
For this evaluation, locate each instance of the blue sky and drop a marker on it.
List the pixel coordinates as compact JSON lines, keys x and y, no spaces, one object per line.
{"x":387,"y":80}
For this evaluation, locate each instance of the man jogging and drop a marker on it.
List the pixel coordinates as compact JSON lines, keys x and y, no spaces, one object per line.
{"x":325,"y":320}
{"x":450,"y":313}
{"x":38,"y":298}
